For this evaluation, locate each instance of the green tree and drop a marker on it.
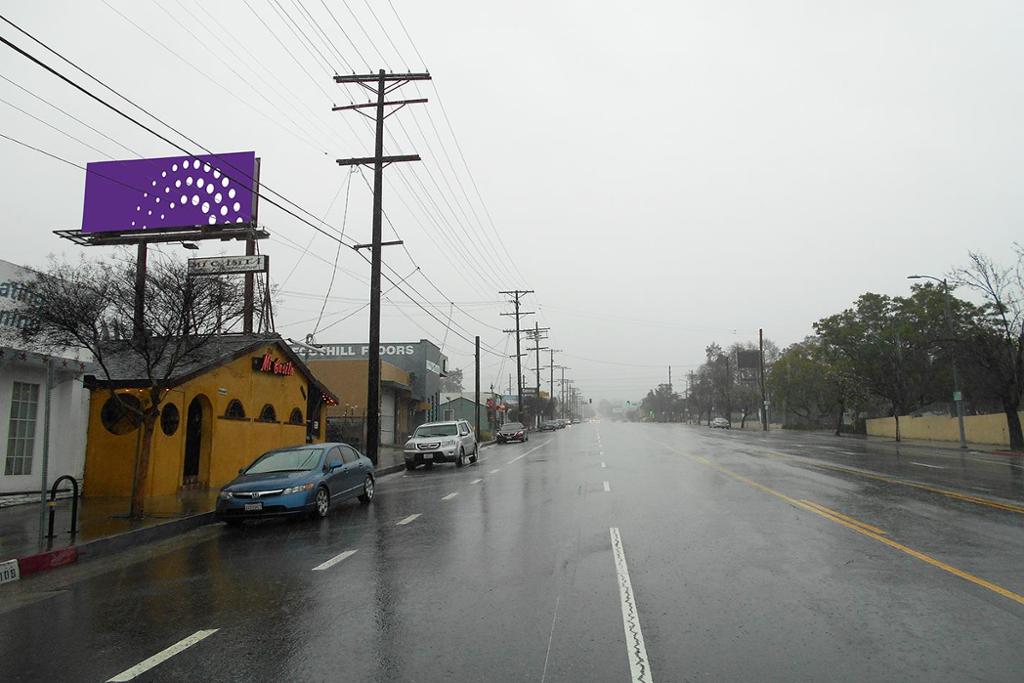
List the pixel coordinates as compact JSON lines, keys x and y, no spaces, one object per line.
{"x":994,"y":341}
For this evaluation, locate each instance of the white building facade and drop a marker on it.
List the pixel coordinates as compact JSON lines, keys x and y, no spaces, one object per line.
{"x":23,"y":374}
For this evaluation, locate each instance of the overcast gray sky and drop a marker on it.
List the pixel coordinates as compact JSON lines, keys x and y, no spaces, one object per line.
{"x":663,"y":174}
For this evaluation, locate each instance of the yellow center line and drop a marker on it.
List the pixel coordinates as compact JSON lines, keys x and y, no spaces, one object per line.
{"x":851,"y":520}
{"x":1009,"y":507}
{"x":939,"y":564}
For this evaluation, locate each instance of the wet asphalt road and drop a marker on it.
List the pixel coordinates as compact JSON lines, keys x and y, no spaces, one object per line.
{"x":745,"y":561}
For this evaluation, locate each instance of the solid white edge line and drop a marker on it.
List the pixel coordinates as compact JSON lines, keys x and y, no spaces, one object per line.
{"x":162,"y":656}
{"x":408,"y":519}
{"x":636,"y":651}
{"x":607,"y":487}
{"x":450,"y":495}
{"x":334,"y":560}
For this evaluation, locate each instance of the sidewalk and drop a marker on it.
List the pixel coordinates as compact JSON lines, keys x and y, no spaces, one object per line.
{"x":97,"y":518}
{"x":943,"y":445}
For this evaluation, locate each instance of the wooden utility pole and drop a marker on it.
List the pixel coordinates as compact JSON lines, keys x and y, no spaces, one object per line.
{"x":551,"y":379}
{"x":764,"y":394}
{"x":516,"y":295}
{"x":380,"y":84}
{"x":476,"y":404}
{"x":536,"y":335}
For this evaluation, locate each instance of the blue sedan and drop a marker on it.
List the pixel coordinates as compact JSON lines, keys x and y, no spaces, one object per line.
{"x":301,"y":480}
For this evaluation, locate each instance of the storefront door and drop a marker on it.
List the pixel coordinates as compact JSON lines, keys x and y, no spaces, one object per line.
{"x":193,"y":442}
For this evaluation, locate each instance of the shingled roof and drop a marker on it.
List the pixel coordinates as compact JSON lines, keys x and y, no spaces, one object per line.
{"x":128,"y":369}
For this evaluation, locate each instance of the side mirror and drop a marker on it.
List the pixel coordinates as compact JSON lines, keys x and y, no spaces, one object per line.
{"x":241,"y":470}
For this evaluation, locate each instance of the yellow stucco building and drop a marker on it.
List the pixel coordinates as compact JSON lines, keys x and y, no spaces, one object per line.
{"x":235,"y":398}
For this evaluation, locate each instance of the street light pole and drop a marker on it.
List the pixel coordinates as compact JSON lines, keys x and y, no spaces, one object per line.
{"x":957,"y":395}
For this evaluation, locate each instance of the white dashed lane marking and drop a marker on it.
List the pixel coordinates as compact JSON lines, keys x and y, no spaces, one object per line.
{"x":334,"y":560}
{"x":408,"y":519}
{"x":162,"y":656}
{"x":476,"y":481}
{"x":450,"y":495}
{"x":639,"y":667}
{"x":607,"y":487}
{"x":495,"y":471}
{"x":603,"y":466}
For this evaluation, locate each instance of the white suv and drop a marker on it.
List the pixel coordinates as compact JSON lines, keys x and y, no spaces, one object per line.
{"x":449,"y":441}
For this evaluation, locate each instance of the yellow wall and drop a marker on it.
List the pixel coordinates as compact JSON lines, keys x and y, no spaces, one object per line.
{"x":982,"y":429}
{"x":232,"y":443}
{"x":348,"y":378}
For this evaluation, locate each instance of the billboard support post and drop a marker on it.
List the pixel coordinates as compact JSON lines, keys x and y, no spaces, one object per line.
{"x":139,"y":324}
{"x":250,"y":250}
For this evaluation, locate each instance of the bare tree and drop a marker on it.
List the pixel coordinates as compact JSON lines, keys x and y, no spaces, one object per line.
{"x":90,"y":305}
{"x":996,"y":339}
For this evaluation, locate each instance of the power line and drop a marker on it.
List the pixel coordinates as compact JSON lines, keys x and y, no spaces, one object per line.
{"x":337,"y":254}
{"x":345,"y":33}
{"x":162,"y":137}
{"x":386,"y":35}
{"x":69,"y":115}
{"x":55,"y":128}
{"x":407,"y":36}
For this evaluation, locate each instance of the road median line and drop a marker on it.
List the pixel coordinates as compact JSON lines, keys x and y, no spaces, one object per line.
{"x":939,"y":564}
{"x":851,"y":520}
{"x":966,"y":497}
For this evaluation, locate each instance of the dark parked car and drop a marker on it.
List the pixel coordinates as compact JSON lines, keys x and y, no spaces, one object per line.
{"x":548,"y":425}
{"x":300,"y":480}
{"x":512,"y":431}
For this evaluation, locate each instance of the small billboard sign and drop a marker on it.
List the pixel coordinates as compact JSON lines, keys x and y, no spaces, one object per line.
{"x":169,"y":192}
{"x":228,"y":265}
{"x":748,"y":360}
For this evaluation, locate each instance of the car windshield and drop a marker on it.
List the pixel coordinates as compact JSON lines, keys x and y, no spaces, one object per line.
{"x":436,"y":430}
{"x":512,"y":427}
{"x":291,"y":460}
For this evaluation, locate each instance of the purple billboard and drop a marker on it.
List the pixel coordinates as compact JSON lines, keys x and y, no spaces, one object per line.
{"x":170,"y":192}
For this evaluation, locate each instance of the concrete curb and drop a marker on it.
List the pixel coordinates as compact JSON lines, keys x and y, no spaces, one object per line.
{"x":59,"y":557}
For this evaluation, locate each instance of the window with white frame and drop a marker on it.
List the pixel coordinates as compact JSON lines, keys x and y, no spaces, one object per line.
{"x":21,"y":434}
{"x":449,"y":413}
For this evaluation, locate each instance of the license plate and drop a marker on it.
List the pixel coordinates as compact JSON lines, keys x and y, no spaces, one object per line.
{"x":428,"y":456}
{"x":253,"y":507}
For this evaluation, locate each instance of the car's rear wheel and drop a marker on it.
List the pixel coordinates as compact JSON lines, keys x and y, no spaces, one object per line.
{"x":321,"y":503}
{"x":367,"y":490}
{"x":460,"y":460}
{"x":476,"y":451}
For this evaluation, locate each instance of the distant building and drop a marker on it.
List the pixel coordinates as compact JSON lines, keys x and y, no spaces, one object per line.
{"x":23,"y":397}
{"x":422,"y":361}
{"x":348,"y":380}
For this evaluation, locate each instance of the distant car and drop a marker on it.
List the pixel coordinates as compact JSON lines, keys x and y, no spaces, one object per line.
{"x":449,"y":441}
{"x":720,"y":423}
{"x":549,"y":425}
{"x":512,"y":431}
{"x":560,"y":423}
{"x":301,"y":480}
